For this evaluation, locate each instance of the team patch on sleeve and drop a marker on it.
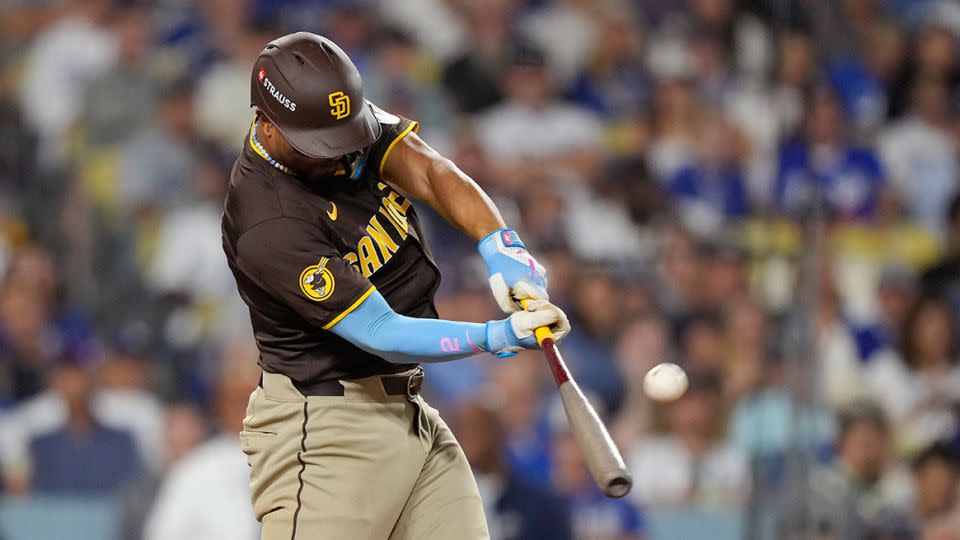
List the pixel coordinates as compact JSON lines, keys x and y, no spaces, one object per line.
{"x":316,"y":281}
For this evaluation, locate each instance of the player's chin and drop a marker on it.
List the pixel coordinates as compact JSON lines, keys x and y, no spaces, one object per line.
{"x":315,"y":167}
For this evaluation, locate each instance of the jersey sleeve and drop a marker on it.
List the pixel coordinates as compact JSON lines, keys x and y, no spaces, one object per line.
{"x":395,"y":128}
{"x":376,"y":328}
{"x":296,"y":263}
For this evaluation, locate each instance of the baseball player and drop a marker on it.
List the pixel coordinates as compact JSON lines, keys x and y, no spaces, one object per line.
{"x":330,"y":257}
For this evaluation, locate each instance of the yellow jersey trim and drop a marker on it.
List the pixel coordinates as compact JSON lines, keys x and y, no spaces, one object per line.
{"x":350,"y":309}
{"x":250,"y":138}
{"x":414,"y":127}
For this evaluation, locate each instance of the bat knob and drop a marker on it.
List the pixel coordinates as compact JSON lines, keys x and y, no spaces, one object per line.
{"x":618,"y":485}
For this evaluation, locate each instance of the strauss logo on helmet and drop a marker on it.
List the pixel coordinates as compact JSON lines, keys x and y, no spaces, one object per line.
{"x":277,"y":95}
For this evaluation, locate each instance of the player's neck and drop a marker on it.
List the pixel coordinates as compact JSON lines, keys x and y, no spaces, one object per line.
{"x":266,"y":152}
{"x":266,"y":142}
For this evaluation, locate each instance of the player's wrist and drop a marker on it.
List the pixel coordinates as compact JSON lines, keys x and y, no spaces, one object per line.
{"x":494,"y":243}
{"x":501,"y":340}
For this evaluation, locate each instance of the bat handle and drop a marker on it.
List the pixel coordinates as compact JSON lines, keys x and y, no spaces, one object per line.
{"x":546,"y":341}
{"x":541,"y":333}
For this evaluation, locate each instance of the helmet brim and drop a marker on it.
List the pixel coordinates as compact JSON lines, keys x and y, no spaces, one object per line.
{"x":354,"y":134}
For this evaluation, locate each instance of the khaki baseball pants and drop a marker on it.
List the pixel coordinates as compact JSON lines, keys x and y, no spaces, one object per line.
{"x":362,"y":466}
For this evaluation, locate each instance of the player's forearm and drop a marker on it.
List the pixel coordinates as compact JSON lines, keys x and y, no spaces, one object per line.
{"x":420,"y":172}
{"x":377,"y":329}
{"x":462,"y":202}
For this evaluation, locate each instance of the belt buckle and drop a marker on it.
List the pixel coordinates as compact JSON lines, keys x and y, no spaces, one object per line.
{"x":414,"y":384}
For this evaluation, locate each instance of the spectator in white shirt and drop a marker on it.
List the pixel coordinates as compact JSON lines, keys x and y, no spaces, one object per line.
{"x":641,"y":344}
{"x":920,"y":387}
{"x":567,"y":31}
{"x":222,"y":99}
{"x":63,"y":62}
{"x":157,"y":161}
{"x":188,"y":265}
{"x":920,"y":156}
{"x":690,"y":464}
{"x":864,"y":493}
{"x":782,"y":101}
{"x":183,"y":430}
{"x":840,"y":371}
{"x":533,"y":139}
{"x":206,"y":494}
{"x":676,"y":122}
{"x":533,"y":136}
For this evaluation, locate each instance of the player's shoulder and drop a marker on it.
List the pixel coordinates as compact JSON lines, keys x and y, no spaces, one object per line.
{"x":281,"y":233}
{"x":262,"y":195}
{"x":251,"y":192}
{"x":393,"y":127}
{"x":272,"y":218}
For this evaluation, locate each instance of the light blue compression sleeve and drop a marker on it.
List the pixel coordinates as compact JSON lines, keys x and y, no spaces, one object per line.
{"x":376,"y":328}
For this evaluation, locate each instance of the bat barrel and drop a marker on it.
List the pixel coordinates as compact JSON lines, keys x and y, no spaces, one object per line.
{"x":600,"y":453}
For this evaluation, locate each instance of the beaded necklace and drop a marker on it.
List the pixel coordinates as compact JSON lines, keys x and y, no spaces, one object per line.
{"x":263,"y":151}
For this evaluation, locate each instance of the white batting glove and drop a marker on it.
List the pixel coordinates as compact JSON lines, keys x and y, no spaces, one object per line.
{"x":514,"y":274}
{"x":516,"y":332}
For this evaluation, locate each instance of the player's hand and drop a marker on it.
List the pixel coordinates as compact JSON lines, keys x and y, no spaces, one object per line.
{"x":516,"y":332}
{"x":514,"y":274}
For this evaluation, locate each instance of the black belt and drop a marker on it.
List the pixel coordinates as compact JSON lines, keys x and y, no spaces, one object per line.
{"x":393,"y":385}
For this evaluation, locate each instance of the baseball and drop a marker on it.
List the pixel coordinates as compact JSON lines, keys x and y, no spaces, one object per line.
{"x":665,"y":382}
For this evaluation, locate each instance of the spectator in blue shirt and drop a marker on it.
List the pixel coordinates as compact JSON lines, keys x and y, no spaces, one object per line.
{"x":83,"y":457}
{"x":895,"y":293}
{"x":595,"y":517}
{"x":711,"y":190}
{"x":849,"y":179}
{"x":864,"y":81}
{"x":523,"y":416}
{"x":616,"y":83}
{"x":589,"y":348}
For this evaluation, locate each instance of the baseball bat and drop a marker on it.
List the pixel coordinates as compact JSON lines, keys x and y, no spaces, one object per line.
{"x":599,"y":451}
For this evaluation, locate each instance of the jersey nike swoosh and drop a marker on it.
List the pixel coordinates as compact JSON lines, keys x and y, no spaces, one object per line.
{"x":333,"y":213}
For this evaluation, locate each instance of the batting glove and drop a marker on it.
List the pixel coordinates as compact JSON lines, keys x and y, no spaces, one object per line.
{"x":507,"y":336}
{"x":514,"y":274}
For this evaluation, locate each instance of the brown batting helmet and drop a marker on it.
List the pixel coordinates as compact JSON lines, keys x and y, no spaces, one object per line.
{"x":309,"y":88}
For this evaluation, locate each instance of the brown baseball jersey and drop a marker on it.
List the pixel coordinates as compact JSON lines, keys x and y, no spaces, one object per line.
{"x":306,"y":254}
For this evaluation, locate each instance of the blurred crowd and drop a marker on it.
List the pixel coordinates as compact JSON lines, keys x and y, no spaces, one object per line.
{"x":762,"y":191}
